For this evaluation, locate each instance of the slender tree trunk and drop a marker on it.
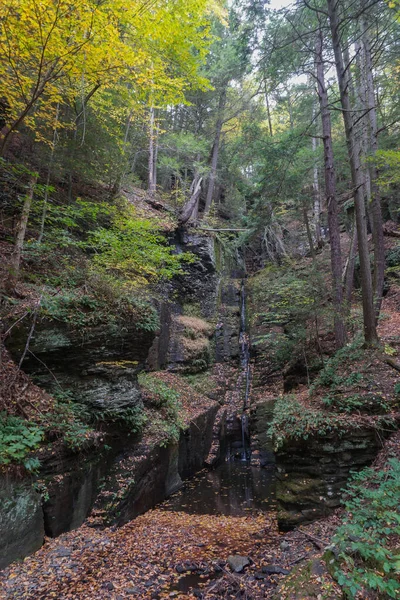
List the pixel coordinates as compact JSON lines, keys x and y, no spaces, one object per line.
{"x":331,"y":198}
{"x":15,"y":261}
{"x":46,"y":191}
{"x":290,"y":110}
{"x":349,"y":273}
{"x":316,"y":191}
{"x":215,"y":152}
{"x":190,"y":211}
{"x":268,"y":110}
{"x":308,"y":230}
{"x":353,"y":147}
{"x":375,"y":202}
{"x":151,"y":181}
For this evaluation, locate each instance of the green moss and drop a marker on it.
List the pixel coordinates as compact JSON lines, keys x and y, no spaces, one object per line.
{"x":308,"y":580}
{"x":193,"y":310}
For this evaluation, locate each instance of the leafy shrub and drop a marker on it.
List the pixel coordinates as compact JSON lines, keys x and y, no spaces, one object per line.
{"x":130,"y":417}
{"x":328,"y":376}
{"x":77,"y":419}
{"x":291,"y":297}
{"x":295,"y":302}
{"x":87,"y":310}
{"x":371,"y":403}
{"x":393,"y":257}
{"x":135,"y":249}
{"x":66,"y":422}
{"x":293,"y":421}
{"x":110,"y":253}
{"x":366,"y":558}
{"x":18,"y":438}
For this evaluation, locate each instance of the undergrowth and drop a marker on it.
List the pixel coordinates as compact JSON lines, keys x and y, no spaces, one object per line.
{"x":18,"y":440}
{"x":366,"y":548}
{"x":329,"y":377}
{"x":293,"y":421}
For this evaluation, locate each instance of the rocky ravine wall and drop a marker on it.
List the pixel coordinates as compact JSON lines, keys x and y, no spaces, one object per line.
{"x":81,"y":364}
{"x":151,"y":473}
{"x":312,"y":474}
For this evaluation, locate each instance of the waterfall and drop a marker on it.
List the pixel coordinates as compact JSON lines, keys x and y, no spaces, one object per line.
{"x":245,"y":365}
{"x":244,"y":348}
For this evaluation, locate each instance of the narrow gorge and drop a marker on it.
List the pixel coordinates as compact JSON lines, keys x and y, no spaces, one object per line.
{"x":199,"y":300}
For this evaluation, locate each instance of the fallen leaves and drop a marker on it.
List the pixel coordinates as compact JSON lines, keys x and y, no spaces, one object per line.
{"x":140,"y":559}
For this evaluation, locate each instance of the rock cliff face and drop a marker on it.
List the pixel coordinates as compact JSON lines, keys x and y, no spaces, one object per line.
{"x":99,"y":369}
{"x":149,"y":472}
{"x":311,"y":474}
{"x":21,"y":521}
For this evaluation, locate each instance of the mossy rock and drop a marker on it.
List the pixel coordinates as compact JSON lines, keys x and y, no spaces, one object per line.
{"x":309,"y":581}
{"x":300,"y":491}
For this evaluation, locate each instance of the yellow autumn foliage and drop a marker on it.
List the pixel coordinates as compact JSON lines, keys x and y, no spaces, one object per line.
{"x":52,"y":51}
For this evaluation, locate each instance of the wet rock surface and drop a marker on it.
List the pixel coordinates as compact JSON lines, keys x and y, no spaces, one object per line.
{"x":311,"y":474}
{"x":21,"y":521}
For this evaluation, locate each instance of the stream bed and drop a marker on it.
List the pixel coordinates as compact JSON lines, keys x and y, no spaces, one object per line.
{"x":234,"y":488}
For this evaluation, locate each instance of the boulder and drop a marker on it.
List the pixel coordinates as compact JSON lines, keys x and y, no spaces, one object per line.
{"x":237,"y":563}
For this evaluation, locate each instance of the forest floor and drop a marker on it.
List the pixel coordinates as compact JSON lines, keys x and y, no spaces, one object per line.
{"x":165,"y":554}
{"x":154,"y":555}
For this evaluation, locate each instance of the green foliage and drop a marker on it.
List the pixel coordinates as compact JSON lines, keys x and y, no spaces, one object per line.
{"x":18,"y":438}
{"x":66,"y":422}
{"x":388,"y":163}
{"x":75,"y":421}
{"x":161,"y":393}
{"x":282,"y":347}
{"x":294,"y":301}
{"x":128,"y":417}
{"x":166,"y":400}
{"x":393,"y":257}
{"x":366,"y":557}
{"x":96,"y":261}
{"x":328,"y":377}
{"x":290,"y":296}
{"x":293,"y":421}
{"x":91,"y":309}
{"x":393,"y":262}
{"x":372,"y":403}
{"x":119,"y":241}
{"x":135,"y":248}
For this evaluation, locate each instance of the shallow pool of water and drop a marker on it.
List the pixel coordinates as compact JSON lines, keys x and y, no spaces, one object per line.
{"x":234,"y":488}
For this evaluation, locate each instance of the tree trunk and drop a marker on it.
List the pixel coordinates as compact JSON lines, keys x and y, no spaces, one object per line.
{"x":316,"y":191}
{"x":349,"y":273}
{"x":308,"y":230}
{"x":331,"y":199}
{"x":268,"y":110}
{"x":190,"y":211}
{"x":15,"y":261}
{"x":375,"y":206}
{"x":215,"y":152}
{"x":152,"y":153}
{"x":353,"y":148}
{"x":46,"y":192}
